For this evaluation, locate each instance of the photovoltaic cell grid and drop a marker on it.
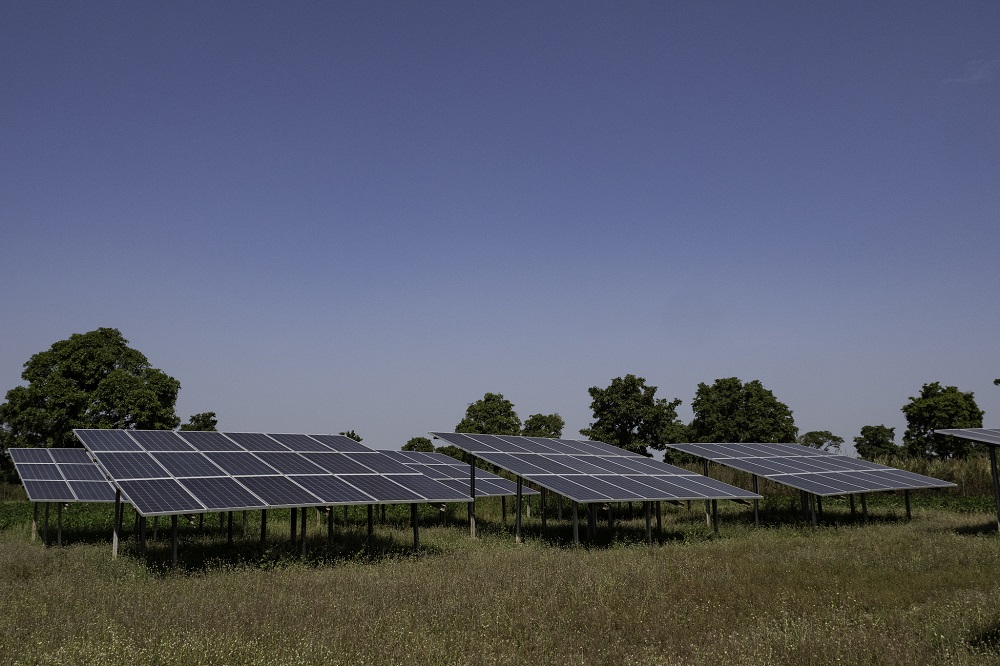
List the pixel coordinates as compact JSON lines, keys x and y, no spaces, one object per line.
{"x":164,"y":472}
{"x":587,"y":471}
{"x":455,"y":473}
{"x":61,"y":475}
{"x":814,"y":471}
{"x":983,"y":435}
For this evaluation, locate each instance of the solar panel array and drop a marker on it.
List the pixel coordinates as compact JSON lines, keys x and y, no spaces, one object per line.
{"x":814,"y":471}
{"x":587,"y":471}
{"x":984,"y":435}
{"x":164,"y":472}
{"x":61,"y":475}
{"x":455,"y":473}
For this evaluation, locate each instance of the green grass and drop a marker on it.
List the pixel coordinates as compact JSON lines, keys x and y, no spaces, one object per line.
{"x":889,"y":592}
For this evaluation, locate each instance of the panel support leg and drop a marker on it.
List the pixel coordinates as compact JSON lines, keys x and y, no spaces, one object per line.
{"x":906,"y":495}
{"x":864,"y":510}
{"x":416,"y":528}
{"x":329,"y":527}
{"x":659,"y":518}
{"x":156,"y":526}
{"x":649,"y":522}
{"x":59,"y":508}
{"x":819,"y":506}
{"x":852,"y":507}
{"x":34,"y":520}
{"x":756,"y":503}
{"x":114,"y":533}
{"x":517,"y":514}
{"x":996,"y":481}
{"x":559,"y":501}
{"x":295,"y":523}
{"x":503,"y":509}
{"x":472,"y":500}
{"x":576,"y":525}
{"x":708,"y":513}
{"x":542,"y":508}
{"x":591,"y":523}
{"x":263,"y":529}
{"x":229,"y":529}
{"x":611,"y":521}
{"x":345,"y":514}
{"x":142,"y":535}
{"x":715,"y":516}
{"x":371,"y":527}
{"x":173,"y":539}
{"x":305,"y":511}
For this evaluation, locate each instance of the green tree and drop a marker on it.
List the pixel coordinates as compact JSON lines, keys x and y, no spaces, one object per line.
{"x":456,"y":453}
{"x":493,"y":415}
{"x":353,"y":435}
{"x":940,"y":407}
{"x":876,"y":441}
{"x":419,"y":444}
{"x":90,"y":380}
{"x":202,"y":421}
{"x":543,"y":425}
{"x":731,"y":411}
{"x":628,"y":414}
{"x":824,"y":440}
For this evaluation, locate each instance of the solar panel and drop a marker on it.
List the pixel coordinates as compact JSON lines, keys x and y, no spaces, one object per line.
{"x":455,"y":474}
{"x":984,"y":435}
{"x":589,"y":471}
{"x":812,"y":470}
{"x":53,"y":475}
{"x":166,"y":472}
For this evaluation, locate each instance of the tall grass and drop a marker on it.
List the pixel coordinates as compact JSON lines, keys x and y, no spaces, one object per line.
{"x":891,"y":592}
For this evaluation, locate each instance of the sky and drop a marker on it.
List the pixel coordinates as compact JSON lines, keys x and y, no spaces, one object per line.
{"x":335,"y":215}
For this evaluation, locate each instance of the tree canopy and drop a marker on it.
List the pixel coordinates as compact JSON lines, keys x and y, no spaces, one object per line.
{"x":731,"y":411}
{"x":419,"y":444}
{"x":202,"y":421}
{"x":628,"y":414}
{"x":939,"y":407}
{"x":543,"y":425}
{"x":90,"y":380}
{"x":876,"y":441}
{"x":824,"y":440}
{"x":492,"y":415}
{"x":353,"y":435}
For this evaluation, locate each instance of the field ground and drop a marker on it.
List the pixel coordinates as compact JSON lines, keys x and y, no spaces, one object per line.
{"x":889,"y":592}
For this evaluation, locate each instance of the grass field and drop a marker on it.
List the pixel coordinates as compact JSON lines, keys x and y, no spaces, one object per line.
{"x":889,"y":592}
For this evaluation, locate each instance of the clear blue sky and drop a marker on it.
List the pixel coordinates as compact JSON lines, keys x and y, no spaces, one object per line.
{"x":322,"y":216}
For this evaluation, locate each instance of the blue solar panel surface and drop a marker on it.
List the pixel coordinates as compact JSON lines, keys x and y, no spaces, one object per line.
{"x":814,"y":471}
{"x":61,"y":475}
{"x":163,"y":472}
{"x":589,"y":471}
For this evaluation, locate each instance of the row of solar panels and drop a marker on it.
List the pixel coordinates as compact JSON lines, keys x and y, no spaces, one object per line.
{"x":68,"y":475}
{"x":549,"y":464}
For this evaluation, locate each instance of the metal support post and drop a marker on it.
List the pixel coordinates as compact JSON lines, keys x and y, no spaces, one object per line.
{"x":229,"y":529}
{"x":517,"y":515}
{"x":59,"y":508}
{"x":201,"y":521}
{"x":173,"y":538}
{"x":156,"y":526}
{"x":416,"y":528}
{"x":996,"y":482}
{"x":756,"y":503}
{"x":222,"y":521}
{"x":114,"y":533}
{"x":812,"y":509}
{"x":819,"y":506}
{"x":611,"y":520}
{"x":263,"y":528}
{"x":295,"y":524}
{"x":715,"y":516}
{"x":503,"y":509}
{"x":304,"y":526}
{"x":371,"y":527}
{"x":649,"y":523}
{"x":559,"y":507}
{"x":142,"y":535}
{"x":906,"y":495}
{"x":576,"y":526}
{"x":472,"y":499}
{"x":542,"y":511}
{"x":864,"y":510}
{"x":329,"y":527}
{"x":852,"y":506}
{"x":345,"y":514}
{"x":591,"y":523}
{"x":34,"y":520}
{"x":659,"y":518}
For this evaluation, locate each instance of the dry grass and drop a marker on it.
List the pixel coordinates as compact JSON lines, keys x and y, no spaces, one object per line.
{"x":892,"y":592}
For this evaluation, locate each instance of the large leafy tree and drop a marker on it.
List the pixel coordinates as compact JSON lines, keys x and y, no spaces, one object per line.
{"x":543,"y":425}
{"x":628,"y":414}
{"x":90,"y":380}
{"x":876,"y":441}
{"x":824,"y":440}
{"x":492,"y":415}
{"x":940,"y":407}
{"x":351,"y":434}
{"x":202,"y":421}
{"x":419,"y":444}
{"x":731,"y":411}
